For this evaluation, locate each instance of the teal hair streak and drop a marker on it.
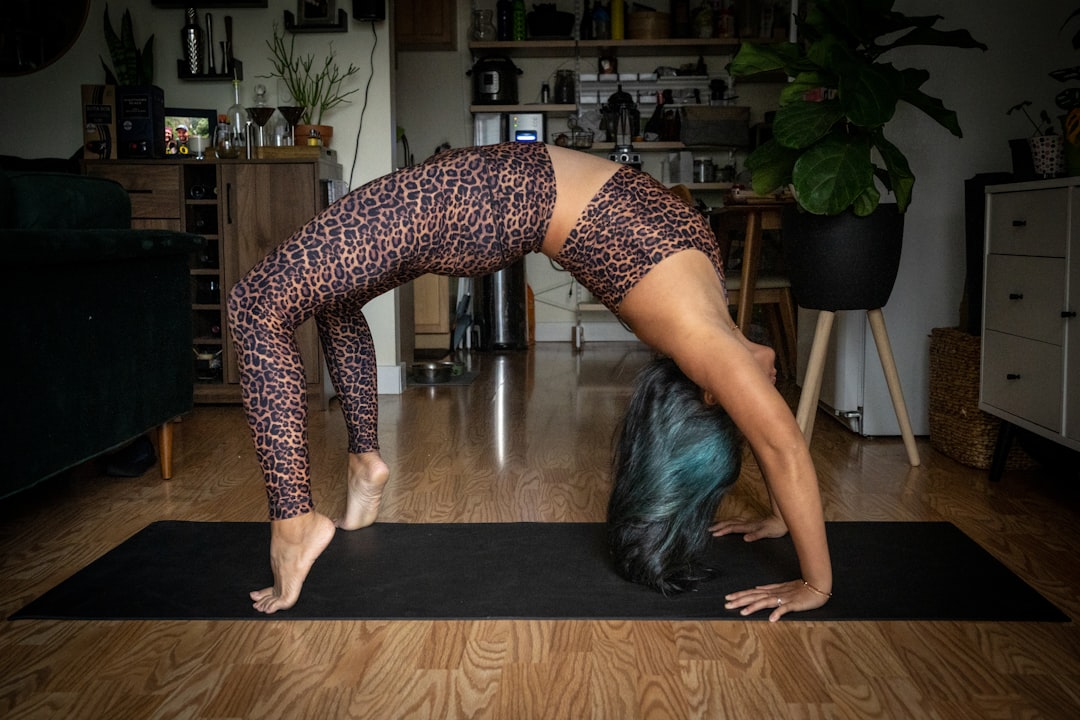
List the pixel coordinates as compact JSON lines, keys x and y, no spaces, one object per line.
{"x":674,"y":458}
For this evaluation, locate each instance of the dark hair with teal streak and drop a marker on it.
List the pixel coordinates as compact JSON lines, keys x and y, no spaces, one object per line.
{"x":674,"y":458}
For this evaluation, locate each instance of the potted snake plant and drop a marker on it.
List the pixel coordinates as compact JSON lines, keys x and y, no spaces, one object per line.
{"x":829,"y":144}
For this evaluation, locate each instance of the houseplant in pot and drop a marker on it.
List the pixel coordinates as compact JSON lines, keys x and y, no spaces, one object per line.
{"x":1043,"y":143}
{"x":131,"y":66}
{"x":317,"y":87}
{"x":829,"y":143}
{"x":132,"y":73}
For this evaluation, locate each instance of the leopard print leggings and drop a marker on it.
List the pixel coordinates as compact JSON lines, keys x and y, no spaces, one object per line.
{"x":464,"y":213}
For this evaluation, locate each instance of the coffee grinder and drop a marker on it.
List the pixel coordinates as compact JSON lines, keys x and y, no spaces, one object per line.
{"x":623,"y":121}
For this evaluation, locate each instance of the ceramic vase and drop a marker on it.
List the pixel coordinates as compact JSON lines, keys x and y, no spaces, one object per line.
{"x":1047,"y":155}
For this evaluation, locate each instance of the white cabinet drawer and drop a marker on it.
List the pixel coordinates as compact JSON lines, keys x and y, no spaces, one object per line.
{"x":1032,"y":222}
{"x":1023,"y":377}
{"x":1025,"y":296}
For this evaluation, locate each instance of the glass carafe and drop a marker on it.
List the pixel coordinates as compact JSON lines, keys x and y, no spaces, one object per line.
{"x":564,"y":87}
{"x":237,"y":120}
{"x":260,"y":114}
{"x":483,"y":30}
{"x":225,"y":145}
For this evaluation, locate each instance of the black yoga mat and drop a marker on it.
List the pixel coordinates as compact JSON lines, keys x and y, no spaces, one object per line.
{"x":189,"y":570}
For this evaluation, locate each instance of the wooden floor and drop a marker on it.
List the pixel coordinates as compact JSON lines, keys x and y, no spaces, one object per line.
{"x":529,"y":441}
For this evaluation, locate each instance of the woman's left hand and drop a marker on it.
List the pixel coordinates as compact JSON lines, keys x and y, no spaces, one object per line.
{"x":771,"y":526}
{"x":781,"y":598}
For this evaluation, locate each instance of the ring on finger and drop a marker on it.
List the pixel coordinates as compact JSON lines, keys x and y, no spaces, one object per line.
{"x":779,"y":601}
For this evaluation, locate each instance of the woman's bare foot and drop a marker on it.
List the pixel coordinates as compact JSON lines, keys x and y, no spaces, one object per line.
{"x":295,"y":544}
{"x":367,"y":477}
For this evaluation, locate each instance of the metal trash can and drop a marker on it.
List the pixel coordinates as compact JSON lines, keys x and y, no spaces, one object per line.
{"x":501,"y":304}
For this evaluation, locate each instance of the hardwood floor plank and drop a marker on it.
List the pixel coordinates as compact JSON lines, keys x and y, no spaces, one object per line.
{"x":529,"y":440}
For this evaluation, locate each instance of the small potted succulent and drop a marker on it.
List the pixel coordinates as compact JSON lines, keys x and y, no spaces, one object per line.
{"x":1043,"y":153}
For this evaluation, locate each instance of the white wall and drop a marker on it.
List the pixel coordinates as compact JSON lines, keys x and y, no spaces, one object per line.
{"x":40,"y":115}
{"x":1024,"y":45}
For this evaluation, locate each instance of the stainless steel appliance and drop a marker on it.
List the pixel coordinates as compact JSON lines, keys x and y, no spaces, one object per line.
{"x":526,"y":127}
{"x":489,"y":128}
{"x":494,"y":81}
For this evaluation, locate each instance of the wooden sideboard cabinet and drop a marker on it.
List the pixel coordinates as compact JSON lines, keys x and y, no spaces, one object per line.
{"x":1031,"y":335}
{"x":244,"y":209}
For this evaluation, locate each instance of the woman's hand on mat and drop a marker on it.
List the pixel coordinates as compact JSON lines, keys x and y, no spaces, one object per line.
{"x":771,"y":526}
{"x":781,"y":598}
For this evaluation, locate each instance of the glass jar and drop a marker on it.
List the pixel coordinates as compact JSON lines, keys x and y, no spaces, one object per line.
{"x":230,"y":141}
{"x":704,"y":171}
{"x":483,"y":29}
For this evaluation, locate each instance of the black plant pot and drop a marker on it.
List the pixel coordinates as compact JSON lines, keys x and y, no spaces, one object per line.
{"x":843,"y":262}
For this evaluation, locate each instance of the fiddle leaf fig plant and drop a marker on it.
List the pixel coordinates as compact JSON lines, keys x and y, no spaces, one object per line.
{"x":829,"y":139}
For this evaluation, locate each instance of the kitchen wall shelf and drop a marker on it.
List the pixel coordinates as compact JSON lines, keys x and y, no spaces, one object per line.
{"x":522,"y":108}
{"x":555,"y":48}
{"x":183,"y":74}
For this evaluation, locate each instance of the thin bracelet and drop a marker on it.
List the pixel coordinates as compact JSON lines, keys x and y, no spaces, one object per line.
{"x":819,"y":592}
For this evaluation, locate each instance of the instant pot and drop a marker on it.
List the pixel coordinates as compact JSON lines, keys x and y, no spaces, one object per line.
{"x":494,"y":81}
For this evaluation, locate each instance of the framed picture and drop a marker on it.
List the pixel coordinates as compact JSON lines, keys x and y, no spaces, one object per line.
{"x":188,"y":131}
{"x":316,"y":12}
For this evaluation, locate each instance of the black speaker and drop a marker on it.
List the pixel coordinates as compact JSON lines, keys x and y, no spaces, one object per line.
{"x":140,"y":122}
{"x":369,"y":10}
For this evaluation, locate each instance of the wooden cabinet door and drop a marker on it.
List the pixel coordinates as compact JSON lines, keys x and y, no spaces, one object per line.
{"x":262,"y":205}
{"x":425,"y":24}
{"x":431,"y":304}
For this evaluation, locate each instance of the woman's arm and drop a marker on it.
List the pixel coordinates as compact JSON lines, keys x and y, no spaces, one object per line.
{"x":679,"y":309}
{"x":736,"y":380}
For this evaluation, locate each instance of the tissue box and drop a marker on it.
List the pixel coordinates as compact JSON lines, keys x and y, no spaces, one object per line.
{"x":726,"y":125}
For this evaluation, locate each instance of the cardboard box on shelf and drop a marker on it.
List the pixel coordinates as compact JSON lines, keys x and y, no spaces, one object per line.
{"x":99,"y":122}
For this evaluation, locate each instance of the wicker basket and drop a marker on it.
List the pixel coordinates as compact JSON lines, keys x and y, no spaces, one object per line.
{"x":958,"y":428}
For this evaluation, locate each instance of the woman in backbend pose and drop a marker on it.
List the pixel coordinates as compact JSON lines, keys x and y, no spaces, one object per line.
{"x":644,"y":253}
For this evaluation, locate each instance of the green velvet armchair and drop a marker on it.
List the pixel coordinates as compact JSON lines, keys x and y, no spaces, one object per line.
{"x":98,"y":335}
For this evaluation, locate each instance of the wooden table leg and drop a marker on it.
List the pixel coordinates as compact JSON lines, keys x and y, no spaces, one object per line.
{"x":165,"y":448}
{"x":750,"y":260}
{"x":892,"y":378}
{"x":815,"y":369}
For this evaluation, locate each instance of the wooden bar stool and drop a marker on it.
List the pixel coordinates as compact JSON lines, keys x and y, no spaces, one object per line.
{"x":770,"y":290}
{"x":774,"y":292}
